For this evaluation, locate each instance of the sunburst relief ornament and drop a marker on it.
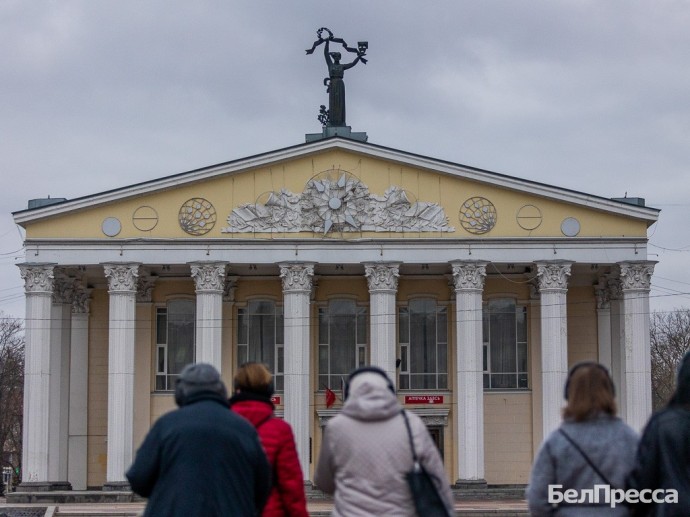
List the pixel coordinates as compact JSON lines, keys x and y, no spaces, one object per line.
{"x":478,"y":215}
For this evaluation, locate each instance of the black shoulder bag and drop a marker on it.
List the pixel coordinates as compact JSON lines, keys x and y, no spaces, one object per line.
{"x":427,"y":500}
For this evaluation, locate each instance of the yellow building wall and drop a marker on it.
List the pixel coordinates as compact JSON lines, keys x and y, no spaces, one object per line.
{"x":507,"y":437}
{"x":228,"y":192}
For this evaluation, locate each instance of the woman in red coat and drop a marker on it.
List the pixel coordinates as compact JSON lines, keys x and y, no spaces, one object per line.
{"x":252,"y":399}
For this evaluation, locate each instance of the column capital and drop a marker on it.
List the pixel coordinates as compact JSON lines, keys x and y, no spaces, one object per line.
{"x":230,"y":288}
{"x":38,"y":278}
{"x":63,"y":288}
{"x":80,"y":297}
{"x":209,"y":276}
{"x":145,"y":284}
{"x":553,"y":275}
{"x":469,"y":275}
{"x":297,"y":276}
{"x":614,"y":288}
{"x":122,"y":276}
{"x":636,"y":276}
{"x":382,"y":276}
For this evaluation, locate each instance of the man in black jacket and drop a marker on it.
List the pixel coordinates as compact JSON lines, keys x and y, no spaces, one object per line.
{"x":202,"y":459}
{"x":663,"y":456}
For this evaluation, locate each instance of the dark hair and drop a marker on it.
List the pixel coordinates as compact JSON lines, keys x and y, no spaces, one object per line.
{"x":681,"y":397}
{"x":254,"y":378}
{"x":589,"y":392}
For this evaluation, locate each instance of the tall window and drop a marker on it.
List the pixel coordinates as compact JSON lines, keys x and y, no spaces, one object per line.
{"x":342,"y":341}
{"x":423,"y":337}
{"x":505,"y":345}
{"x":174,"y":341}
{"x":260,"y":337}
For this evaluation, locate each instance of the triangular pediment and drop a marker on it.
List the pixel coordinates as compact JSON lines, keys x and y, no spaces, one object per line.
{"x":337,"y":188}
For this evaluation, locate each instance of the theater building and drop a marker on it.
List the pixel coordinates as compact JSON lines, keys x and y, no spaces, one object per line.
{"x":475,"y":291}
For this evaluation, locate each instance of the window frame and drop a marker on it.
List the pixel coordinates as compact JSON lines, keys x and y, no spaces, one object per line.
{"x":162,"y":347}
{"x":523,"y":384}
{"x":404,"y":347}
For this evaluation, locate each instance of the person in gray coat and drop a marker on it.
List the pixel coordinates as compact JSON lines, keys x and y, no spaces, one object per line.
{"x":366,"y":452}
{"x":591,"y":447}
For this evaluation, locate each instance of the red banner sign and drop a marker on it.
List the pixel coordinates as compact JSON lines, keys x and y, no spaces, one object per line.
{"x":276,"y":400}
{"x":423,"y":399}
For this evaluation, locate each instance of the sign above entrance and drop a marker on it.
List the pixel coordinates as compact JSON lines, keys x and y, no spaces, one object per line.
{"x":423,"y":399}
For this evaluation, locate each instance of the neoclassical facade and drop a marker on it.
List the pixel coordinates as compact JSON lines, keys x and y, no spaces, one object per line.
{"x":475,"y":291}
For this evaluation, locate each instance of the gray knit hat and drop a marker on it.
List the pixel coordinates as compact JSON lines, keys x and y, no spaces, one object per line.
{"x":196,"y":378}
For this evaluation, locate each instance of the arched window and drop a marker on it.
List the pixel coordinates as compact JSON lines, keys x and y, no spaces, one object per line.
{"x":505,"y":345}
{"x":423,"y":340}
{"x":175,"y":336}
{"x":260,"y":337}
{"x":342,"y":341}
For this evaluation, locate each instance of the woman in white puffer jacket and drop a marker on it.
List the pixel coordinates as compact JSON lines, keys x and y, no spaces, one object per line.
{"x":366,"y":452}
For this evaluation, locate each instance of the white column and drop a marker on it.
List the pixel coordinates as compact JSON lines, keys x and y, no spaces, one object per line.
{"x":297,"y":280}
{"x":122,"y":282}
{"x":553,"y":287}
{"x":143,"y":369}
{"x":617,"y":340}
{"x":60,"y":334}
{"x":77,"y":461}
{"x":469,"y":278}
{"x":636,"y":279}
{"x":383,"y":286}
{"x":209,"y":279}
{"x":604,"y":324}
{"x":38,"y":286}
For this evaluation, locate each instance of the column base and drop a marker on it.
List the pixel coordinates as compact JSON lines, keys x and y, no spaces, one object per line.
{"x":44,"y":486}
{"x":116,"y":486}
{"x":471,"y":484}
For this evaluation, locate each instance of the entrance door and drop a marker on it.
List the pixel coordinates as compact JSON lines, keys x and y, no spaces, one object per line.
{"x":436,"y":432}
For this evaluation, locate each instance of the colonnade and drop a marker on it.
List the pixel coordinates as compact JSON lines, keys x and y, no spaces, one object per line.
{"x":56,"y":369}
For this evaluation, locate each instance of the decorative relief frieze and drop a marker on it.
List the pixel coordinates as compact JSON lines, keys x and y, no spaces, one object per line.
{"x":469,"y":275}
{"x":37,"y":278}
{"x":636,"y":275}
{"x":121,"y":277}
{"x":553,"y":275}
{"x":297,"y":276}
{"x":382,"y":277}
{"x":337,"y":201}
{"x":209,"y":276}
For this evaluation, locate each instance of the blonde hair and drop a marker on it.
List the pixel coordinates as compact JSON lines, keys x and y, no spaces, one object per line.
{"x":254,"y":378}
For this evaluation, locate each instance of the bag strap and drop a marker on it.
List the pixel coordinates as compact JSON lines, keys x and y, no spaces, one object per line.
{"x":587,"y":459}
{"x":409,"y":435}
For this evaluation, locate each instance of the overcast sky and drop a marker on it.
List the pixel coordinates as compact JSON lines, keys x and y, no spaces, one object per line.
{"x":588,"y":95}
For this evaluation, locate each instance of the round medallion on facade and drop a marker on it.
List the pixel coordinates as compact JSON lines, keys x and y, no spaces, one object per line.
{"x":111,"y":226}
{"x":529,"y":217}
{"x":145,"y":218}
{"x":570,"y":227}
{"x":197,"y":216}
{"x":478,"y":215}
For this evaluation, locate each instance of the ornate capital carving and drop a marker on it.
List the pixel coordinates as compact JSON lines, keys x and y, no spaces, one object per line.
{"x":121,"y":277}
{"x":553,"y":276}
{"x":230,"y":288}
{"x":297,"y":276}
{"x":603,"y":300}
{"x":636,"y":275}
{"x":63,"y":288}
{"x":469,"y":275}
{"x":145,"y":285}
{"x":382,"y":276}
{"x":80,"y":297}
{"x":615,"y":288}
{"x":38,"y":278}
{"x":209,"y":276}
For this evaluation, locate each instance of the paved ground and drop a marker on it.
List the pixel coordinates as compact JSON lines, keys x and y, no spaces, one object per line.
{"x":316,"y":508}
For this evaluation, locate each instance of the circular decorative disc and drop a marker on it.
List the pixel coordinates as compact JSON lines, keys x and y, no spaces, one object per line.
{"x":145,"y":218}
{"x":197,"y":216}
{"x":478,"y":215}
{"x":529,"y":217}
{"x":111,"y":226}
{"x":570,"y":227}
